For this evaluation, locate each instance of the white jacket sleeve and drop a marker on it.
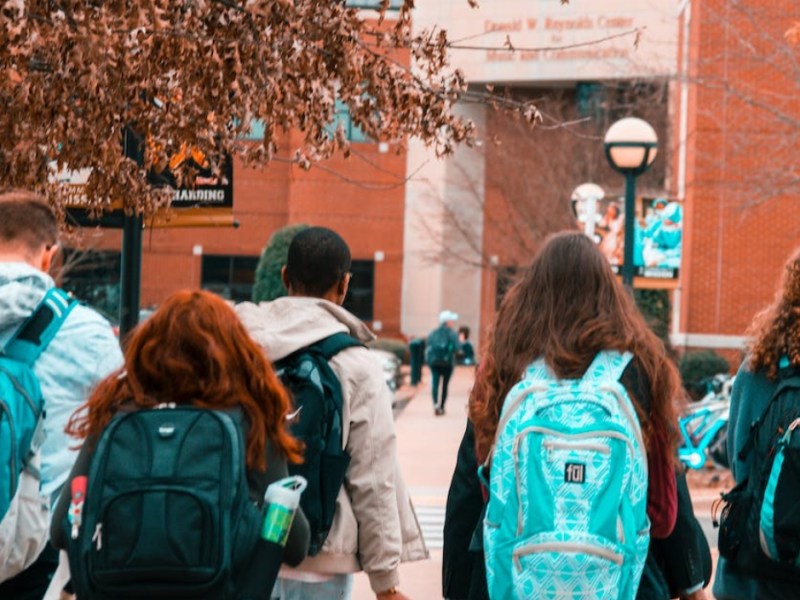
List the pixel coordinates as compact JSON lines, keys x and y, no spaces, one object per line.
{"x":370,"y":482}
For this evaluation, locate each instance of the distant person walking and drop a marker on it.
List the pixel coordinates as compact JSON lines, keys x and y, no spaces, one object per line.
{"x":440,"y":355}
{"x":575,"y":404}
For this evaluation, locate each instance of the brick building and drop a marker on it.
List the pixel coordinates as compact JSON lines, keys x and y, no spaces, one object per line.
{"x":738,"y":118}
{"x":717,"y":79}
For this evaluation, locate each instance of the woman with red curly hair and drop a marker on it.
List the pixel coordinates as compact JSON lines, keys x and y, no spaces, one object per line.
{"x":193,"y":351}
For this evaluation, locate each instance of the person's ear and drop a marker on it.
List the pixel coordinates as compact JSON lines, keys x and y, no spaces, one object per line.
{"x":48,"y":257}
{"x":344,"y":285}
{"x":285,"y":278}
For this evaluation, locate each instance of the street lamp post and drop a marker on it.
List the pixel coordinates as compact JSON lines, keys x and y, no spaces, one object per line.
{"x":631,"y":146}
{"x":584,"y":204}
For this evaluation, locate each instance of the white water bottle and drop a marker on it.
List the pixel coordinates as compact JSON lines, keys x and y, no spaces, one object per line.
{"x":280,"y":505}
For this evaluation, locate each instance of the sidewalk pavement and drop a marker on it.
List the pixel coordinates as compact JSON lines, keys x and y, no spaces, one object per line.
{"x":427,"y":447}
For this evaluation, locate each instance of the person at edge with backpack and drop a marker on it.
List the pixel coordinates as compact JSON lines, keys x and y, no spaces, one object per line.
{"x":191,"y":360}
{"x":82,"y":352}
{"x":374,"y":526}
{"x":578,"y":391}
{"x":772,"y":361}
{"x":440,"y":355}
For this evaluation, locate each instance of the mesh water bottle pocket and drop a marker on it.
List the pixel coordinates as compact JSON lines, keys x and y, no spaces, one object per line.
{"x":779,"y":523}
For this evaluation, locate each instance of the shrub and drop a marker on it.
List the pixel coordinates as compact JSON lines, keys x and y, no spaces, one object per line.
{"x":268,"y":284}
{"x":397,"y":347}
{"x":698,"y":367}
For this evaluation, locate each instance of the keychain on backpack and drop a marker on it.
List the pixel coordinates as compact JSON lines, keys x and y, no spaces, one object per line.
{"x":75,"y":515}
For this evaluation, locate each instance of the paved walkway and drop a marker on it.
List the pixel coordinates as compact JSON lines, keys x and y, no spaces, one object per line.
{"x":427,"y":447}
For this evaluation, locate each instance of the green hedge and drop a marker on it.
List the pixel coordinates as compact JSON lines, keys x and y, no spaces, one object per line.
{"x":696,"y":367}
{"x":268,"y":284}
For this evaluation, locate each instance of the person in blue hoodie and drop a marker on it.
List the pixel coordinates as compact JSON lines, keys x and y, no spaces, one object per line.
{"x":81,"y":354}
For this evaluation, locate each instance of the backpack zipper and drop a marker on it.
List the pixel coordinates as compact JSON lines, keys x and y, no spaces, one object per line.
{"x":13,"y":446}
{"x":97,"y":537}
{"x":552,"y":446}
{"x":568,"y":547}
{"x":547,"y":431}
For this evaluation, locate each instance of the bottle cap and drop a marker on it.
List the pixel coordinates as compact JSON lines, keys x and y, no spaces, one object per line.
{"x":286,"y":491}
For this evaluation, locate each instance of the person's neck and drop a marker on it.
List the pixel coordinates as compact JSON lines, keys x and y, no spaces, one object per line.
{"x":15,"y":257}
{"x":330,"y":296}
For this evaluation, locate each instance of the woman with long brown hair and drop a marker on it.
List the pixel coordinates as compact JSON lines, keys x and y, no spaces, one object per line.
{"x":566,"y":308}
{"x":194,"y":352}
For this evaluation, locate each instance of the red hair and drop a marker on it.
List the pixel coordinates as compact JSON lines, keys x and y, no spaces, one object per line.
{"x":195,"y":351}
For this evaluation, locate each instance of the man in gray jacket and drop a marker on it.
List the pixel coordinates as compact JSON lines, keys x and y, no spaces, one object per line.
{"x":82,"y":353}
{"x":374,"y":526}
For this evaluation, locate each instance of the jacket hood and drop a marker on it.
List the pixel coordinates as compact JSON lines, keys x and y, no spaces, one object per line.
{"x":22,"y":287}
{"x":287,"y":324}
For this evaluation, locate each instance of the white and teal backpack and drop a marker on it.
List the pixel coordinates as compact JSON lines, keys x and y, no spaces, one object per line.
{"x":567,"y":512}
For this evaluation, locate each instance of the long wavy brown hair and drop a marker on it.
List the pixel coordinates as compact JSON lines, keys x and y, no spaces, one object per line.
{"x":194,"y":351}
{"x":566,"y":307}
{"x":775,"y":331}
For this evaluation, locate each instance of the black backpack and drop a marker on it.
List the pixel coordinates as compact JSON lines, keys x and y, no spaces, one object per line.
{"x":317,"y":396}
{"x":167,"y":512}
{"x":760,"y":522}
{"x":440,"y":348}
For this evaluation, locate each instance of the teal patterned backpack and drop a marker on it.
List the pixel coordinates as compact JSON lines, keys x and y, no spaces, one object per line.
{"x":567,"y":512}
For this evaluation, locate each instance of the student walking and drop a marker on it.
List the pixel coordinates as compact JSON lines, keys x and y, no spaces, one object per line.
{"x":179,"y":447}
{"x":759,"y":529}
{"x":575,"y":408}
{"x":374,"y":526}
{"x":71,"y":348}
{"x":440,"y":355}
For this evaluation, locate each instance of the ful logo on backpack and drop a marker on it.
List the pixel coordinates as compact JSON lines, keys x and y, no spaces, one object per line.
{"x":567,"y":512}
{"x":167,"y":512}
{"x":24,"y":513}
{"x":317,"y":395}
{"x":760,"y":524}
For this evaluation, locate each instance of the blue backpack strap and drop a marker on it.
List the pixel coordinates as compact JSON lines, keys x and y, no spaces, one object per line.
{"x":38,"y":330}
{"x":608,"y":366}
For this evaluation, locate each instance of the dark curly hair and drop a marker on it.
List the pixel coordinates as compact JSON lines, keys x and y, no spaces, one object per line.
{"x":775,"y":332}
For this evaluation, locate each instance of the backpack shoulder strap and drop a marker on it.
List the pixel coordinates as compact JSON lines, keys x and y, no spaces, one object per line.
{"x":38,"y":330}
{"x":332,"y":345}
{"x":608,"y":366}
{"x":788,"y":378}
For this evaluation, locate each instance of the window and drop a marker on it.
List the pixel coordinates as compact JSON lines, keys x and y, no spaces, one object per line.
{"x":229,"y":276}
{"x":591,"y":99}
{"x":376,"y":4}
{"x":93,"y":276}
{"x":360,"y":298}
{"x":351,"y":130}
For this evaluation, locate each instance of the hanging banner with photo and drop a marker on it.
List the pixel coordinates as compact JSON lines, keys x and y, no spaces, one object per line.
{"x":658,"y":233}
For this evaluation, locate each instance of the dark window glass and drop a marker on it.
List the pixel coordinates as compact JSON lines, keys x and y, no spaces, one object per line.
{"x":92,"y":276}
{"x":360,"y":298}
{"x":229,"y":276}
